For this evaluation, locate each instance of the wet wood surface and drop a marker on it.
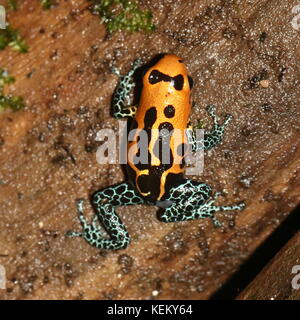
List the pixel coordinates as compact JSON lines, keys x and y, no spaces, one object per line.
{"x":280,"y":279}
{"x":48,"y":150}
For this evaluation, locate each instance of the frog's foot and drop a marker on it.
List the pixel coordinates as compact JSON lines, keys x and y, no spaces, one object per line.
{"x":88,"y":230}
{"x":214,"y":137}
{"x":137,"y":63}
{"x":208,"y":210}
{"x":92,"y":233}
{"x":211,"y":109}
{"x":116,"y":71}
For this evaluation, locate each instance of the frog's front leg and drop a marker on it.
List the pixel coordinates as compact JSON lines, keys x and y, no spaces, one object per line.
{"x":213,"y":137}
{"x":191,"y":200}
{"x":121,"y":98}
{"x":104,"y":203}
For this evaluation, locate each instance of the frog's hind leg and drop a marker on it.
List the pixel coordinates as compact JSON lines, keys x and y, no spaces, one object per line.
{"x":104,"y":203}
{"x":191,"y":200}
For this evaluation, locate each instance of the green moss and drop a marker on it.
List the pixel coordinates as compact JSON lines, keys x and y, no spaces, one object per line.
{"x":5,"y":78}
{"x":12,"y":4}
{"x":46,"y":4}
{"x":200,"y":124}
{"x":12,"y":38}
{"x":14,"y":103}
{"x":11,"y":102}
{"x":123,"y":15}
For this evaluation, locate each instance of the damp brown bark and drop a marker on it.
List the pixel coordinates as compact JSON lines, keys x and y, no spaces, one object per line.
{"x":48,"y":160}
{"x":279,"y":280}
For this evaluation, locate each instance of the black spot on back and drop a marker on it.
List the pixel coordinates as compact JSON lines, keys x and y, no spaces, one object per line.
{"x":178,"y":82}
{"x":169,"y":111}
{"x":166,"y":126}
{"x":180,"y":61}
{"x":150,"y":118}
{"x":137,"y":157}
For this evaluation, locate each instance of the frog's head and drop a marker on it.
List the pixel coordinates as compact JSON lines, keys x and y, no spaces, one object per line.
{"x":171,"y":72}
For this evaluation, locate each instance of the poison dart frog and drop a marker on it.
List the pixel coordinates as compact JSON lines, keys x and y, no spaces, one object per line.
{"x":165,"y":103}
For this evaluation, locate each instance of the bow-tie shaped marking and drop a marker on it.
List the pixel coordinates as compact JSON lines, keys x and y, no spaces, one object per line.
{"x":157,"y":76}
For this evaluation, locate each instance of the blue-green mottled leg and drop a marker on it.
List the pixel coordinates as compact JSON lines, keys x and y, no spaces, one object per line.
{"x":104,"y":203}
{"x":190,"y":201}
{"x":121,"y":98}
{"x":213,"y":137}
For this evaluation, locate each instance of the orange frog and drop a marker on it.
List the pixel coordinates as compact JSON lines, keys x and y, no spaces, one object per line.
{"x":160,"y":134}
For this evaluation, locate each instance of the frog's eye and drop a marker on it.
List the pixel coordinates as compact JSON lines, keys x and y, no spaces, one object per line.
{"x":191,"y":82}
